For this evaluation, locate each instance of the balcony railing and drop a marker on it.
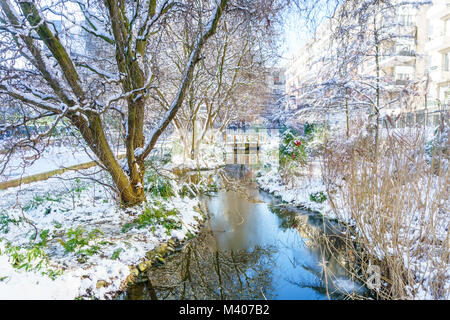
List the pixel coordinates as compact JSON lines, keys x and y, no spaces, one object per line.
{"x":402,"y":53}
{"x":398,"y":82}
{"x":393,"y":58}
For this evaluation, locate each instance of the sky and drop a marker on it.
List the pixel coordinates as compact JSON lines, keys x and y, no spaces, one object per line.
{"x":298,"y":29}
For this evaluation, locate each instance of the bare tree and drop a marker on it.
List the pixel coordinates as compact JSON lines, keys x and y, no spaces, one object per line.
{"x":225,"y":82}
{"x":360,"y":35}
{"x":41,"y":71}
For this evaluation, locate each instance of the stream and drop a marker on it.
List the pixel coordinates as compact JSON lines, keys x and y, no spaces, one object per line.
{"x":253,"y":246}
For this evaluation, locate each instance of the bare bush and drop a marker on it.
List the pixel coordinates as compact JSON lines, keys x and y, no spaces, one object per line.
{"x":396,"y":207}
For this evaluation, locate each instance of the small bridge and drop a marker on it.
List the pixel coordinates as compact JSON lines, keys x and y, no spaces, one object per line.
{"x":243,"y":146}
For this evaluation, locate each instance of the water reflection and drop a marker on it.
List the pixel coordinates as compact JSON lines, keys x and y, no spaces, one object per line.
{"x":201,"y":272}
{"x":253,"y":248}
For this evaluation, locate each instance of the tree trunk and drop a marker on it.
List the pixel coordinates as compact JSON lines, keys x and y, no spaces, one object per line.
{"x":72,"y":101}
{"x":347,"y":120}
{"x":93,"y":134}
{"x":193,"y":149}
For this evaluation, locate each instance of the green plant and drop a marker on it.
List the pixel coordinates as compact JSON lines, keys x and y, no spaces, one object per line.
{"x":153,"y":216}
{"x":57,"y":225}
{"x":32,"y":257}
{"x":27,"y":259}
{"x":116,"y":253}
{"x":309,"y":128}
{"x":5,"y":220}
{"x":318,"y":197}
{"x":292,"y":150}
{"x":190,"y":235}
{"x":79,"y":187}
{"x":315,"y":137}
{"x":185,"y":190}
{"x":198,"y":183}
{"x":292,"y":156}
{"x":38,"y":200}
{"x":43,"y":235}
{"x":159,"y":186}
{"x":78,"y":241}
{"x":207,"y":186}
{"x":52,"y":273}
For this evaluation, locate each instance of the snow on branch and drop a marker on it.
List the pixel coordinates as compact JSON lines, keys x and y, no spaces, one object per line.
{"x":142,"y":153}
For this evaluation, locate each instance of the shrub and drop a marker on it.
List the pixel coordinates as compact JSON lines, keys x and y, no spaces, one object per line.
{"x":159,"y":186}
{"x":292,"y":155}
{"x":292,"y":150}
{"x":396,"y":205}
{"x":315,"y":137}
{"x":318,"y":197}
{"x":79,"y":239}
{"x":153,"y":216}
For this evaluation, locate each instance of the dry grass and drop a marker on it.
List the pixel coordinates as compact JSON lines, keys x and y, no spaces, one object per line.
{"x":396,"y":207}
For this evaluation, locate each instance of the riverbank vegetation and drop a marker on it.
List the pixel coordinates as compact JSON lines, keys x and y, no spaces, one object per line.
{"x":79,"y":242}
{"x":134,"y":70}
{"x":395,"y":209}
{"x":396,"y":206}
{"x":150,"y":91}
{"x":382,"y":173}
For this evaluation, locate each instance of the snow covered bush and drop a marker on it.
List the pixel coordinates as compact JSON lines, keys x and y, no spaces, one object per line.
{"x":397,"y":205}
{"x":315,"y":137}
{"x":318,"y":196}
{"x":292,"y":155}
{"x":437,"y":149}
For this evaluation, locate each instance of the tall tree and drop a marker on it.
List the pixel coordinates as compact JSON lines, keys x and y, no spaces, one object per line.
{"x":225,"y":83}
{"x":41,"y":70}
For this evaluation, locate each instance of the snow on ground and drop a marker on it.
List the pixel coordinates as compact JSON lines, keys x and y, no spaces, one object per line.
{"x":32,"y":285}
{"x":99,"y":264}
{"x":23,"y":164}
{"x":298,"y":194}
{"x":59,"y":206}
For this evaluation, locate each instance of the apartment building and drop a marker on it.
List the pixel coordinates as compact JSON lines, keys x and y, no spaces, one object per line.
{"x":275,"y":79}
{"x":415,"y":56}
{"x":437,"y":50}
{"x":306,"y":69}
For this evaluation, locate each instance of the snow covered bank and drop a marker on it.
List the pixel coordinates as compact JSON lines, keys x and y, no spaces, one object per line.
{"x":25,"y":163}
{"x":299,"y":193}
{"x":399,"y":217}
{"x":73,"y":231}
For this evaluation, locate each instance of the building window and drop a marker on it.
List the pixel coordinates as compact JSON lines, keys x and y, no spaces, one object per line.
{"x":276,"y":78}
{"x":447,"y":27}
{"x":406,"y":20}
{"x":430,"y":30}
{"x":403,"y":76}
{"x":447,"y":61}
